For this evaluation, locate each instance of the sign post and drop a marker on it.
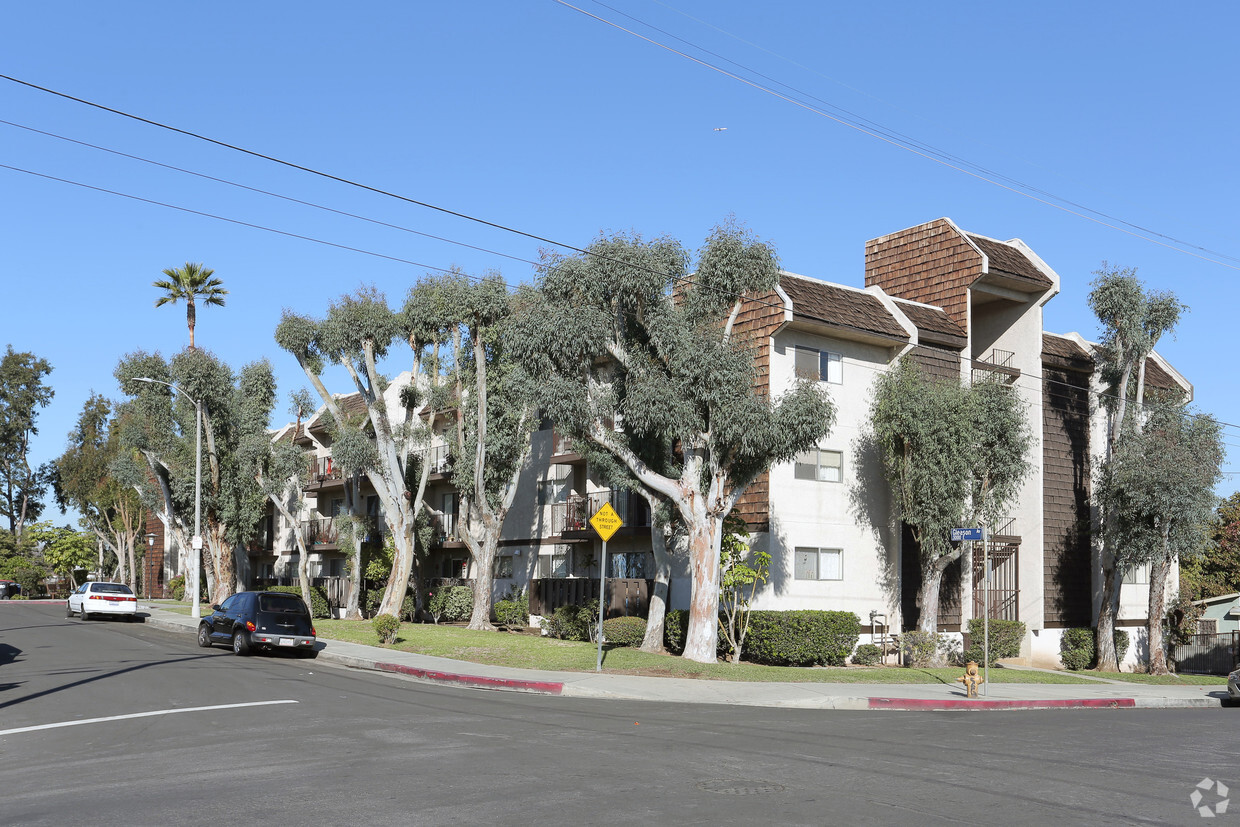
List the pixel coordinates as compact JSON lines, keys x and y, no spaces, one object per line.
{"x":605,"y":521}
{"x":960,"y":535}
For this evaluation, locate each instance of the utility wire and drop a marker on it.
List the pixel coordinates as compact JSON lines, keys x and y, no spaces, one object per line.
{"x":268,"y":193}
{"x":932,"y":155}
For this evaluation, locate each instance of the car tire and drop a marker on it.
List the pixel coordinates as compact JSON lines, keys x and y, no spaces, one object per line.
{"x":204,"y":636}
{"x":241,"y":644}
{"x":68,"y":611}
{"x":82,"y":614}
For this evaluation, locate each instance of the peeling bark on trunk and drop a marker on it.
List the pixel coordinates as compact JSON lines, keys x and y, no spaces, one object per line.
{"x":1159,"y":569}
{"x":702,"y":640}
{"x":656,"y":614}
{"x":1104,"y":640}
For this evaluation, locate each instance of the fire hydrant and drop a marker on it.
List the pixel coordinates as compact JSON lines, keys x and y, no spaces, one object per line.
{"x":971,"y":680}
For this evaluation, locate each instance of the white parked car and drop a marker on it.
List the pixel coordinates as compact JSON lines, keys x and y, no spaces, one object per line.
{"x":96,"y":598}
{"x":1233,"y":685}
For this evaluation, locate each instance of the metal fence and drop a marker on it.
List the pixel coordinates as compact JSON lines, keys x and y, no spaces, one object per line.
{"x":1207,"y":654}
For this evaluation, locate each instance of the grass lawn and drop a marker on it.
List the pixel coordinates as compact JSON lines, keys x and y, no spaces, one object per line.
{"x":529,"y":651}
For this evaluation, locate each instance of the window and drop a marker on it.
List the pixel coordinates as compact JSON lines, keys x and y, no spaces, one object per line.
{"x":819,"y":563}
{"x":554,"y":565}
{"x":552,"y":491}
{"x":821,"y":365}
{"x":627,"y":565}
{"x":1207,"y":626}
{"x":1138,"y":576}
{"x":503,"y":566}
{"x":821,"y":465}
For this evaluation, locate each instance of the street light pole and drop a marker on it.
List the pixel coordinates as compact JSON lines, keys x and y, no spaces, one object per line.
{"x":196,"y":542}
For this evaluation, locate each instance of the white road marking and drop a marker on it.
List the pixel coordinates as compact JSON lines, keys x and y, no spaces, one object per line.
{"x":138,"y":715}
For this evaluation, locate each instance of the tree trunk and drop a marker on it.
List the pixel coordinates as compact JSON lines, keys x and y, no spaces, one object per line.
{"x":1159,"y":567}
{"x":1104,"y":638}
{"x":483,"y":551}
{"x":657,"y":608}
{"x":928,"y":599}
{"x":702,"y":641}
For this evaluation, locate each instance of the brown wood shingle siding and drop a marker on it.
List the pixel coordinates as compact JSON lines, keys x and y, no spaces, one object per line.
{"x":937,"y":363}
{"x":756,"y":323}
{"x":933,"y":264}
{"x":1066,"y":569}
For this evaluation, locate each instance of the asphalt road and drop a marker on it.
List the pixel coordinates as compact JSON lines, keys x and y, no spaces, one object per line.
{"x":282,"y":741}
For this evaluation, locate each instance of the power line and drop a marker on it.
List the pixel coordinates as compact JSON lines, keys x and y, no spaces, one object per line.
{"x":882,"y":134}
{"x":685,"y":279}
{"x":268,"y":193}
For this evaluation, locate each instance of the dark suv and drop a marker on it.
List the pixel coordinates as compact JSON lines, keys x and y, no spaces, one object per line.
{"x":249,"y":621}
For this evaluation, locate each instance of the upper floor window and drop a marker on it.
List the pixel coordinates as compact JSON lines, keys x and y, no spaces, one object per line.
{"x":1137,"y":575}
{"x":820,"y":464}
{"x":821,"y":365}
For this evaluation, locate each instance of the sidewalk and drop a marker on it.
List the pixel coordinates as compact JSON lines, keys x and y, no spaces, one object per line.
{"x":1099,"y":694}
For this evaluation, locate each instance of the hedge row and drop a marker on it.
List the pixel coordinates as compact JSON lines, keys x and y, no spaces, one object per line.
{"x":794,"y":638}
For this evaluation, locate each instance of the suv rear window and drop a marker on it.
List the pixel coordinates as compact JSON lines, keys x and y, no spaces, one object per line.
{"x":111,"y":588}
{"x":289,"y":603}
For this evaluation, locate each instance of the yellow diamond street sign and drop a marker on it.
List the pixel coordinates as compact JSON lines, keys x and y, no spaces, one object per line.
{"x":606,"y":521}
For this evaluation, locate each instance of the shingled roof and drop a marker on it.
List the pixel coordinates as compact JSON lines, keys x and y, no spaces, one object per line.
{"x":1062,"y":352}
{"x":933,"y":325}
{"x":1008,"y":260}
{"x":840,"y":307}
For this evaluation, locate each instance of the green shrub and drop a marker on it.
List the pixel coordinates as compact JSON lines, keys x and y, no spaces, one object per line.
{"x":1121,"y":645}
{"x":451,"y":604}
{"x":176,"y":588}
{"x":514,"y":610}
{"x":624,"y":631}
{"x":1005,"y":639}
{"x":319,"y":607}
{"x":408,"y":608}
{"x":370,"y":602}
{"x":675,"y":630}
{"x":919,"y":648}
{"x":867,"y":654}
{"x":1076,"y":649}
{"x":801,"y":638}
{"x":572,"y":622}
{"x":386,"y":627}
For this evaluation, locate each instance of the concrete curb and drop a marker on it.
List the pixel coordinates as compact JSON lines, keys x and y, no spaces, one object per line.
{"x":811,"y":700}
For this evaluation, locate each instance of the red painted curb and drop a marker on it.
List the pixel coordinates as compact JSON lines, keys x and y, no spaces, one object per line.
{"x":545,"y":687}
{"x":926,"y":704}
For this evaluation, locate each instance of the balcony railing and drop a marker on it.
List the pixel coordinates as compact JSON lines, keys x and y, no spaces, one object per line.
{"x":322,"y":470}
{"x":575,"y":514}
{"x":439,"y":458}
{"x":321,"y":532}
{"x":444,"y":526}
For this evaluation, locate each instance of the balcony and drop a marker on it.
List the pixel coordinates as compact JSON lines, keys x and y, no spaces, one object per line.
{"x":562,"y":451}
{"x":323,"y":474}
{"x":323,"y":534}
{"x":444,"y":527}
{"x":996,"y":366}
{"x":440,"y":460}
{"x":572,"y":518}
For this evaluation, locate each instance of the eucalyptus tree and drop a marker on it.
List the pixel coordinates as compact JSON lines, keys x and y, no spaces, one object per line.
{"x":160,"y":423}
{"x":1159,"y":489}
{"x":1133,"y":321}
{"x":358,"y":332}
{"x":191,"y":282}
{"x":88,"y":481}
{"x":279,"y":468}
{"x":950,"y":453}
{"x":23,"y":391}
{"x":628,"y":347}
{"x":495,"y":411}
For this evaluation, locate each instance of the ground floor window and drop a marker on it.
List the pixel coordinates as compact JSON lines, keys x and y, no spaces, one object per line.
{"x":630,"y":565}
{"x":503,"y":566}
{"x":555,"y":564}
{"x":819,"y":563}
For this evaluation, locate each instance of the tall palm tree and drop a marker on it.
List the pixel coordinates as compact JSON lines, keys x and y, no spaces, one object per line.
{"x":186,"y":283}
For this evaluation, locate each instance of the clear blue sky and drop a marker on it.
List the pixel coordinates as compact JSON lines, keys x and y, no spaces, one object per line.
{"x":534,"y":116}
